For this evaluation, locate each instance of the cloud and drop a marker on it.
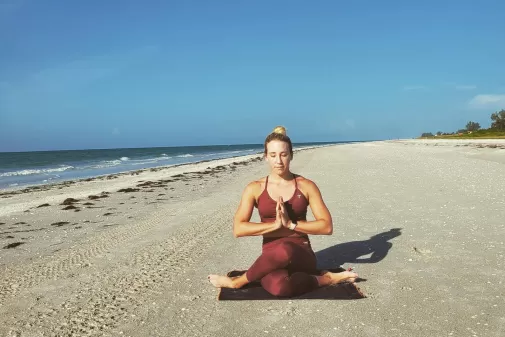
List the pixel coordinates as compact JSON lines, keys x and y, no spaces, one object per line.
{"x":414,"y":87}
{"x":487,"y":101}
{"x":466,"y":87}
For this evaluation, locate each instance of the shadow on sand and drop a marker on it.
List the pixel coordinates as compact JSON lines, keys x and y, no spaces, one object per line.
{"x":351,"y":252}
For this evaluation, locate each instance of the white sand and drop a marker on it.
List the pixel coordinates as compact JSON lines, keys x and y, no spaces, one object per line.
{"x":141,"y":270}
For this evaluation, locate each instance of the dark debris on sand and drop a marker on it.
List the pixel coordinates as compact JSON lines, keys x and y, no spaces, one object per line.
{"x":69,"y":207}
{"x":69,"y":201}
{"x":13,"y":245}
{"x":151,"y":184}
{"x":60,"y":223}
{"x":43,"y":205}
{"x":128,"y":190}
{"x":95,"y":197}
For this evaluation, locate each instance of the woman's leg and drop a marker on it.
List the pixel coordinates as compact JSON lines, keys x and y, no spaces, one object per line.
{"x":283,"y":255}
{"x":281,"y":283}
{"x":278,"y":255}
{"x":291,"y":257}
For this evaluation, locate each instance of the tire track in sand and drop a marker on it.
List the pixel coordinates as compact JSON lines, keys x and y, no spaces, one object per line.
{"x":102,"y":305}
{"x":50,"y":267}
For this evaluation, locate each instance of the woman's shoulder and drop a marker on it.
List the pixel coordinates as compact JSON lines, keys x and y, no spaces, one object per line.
{"x":305,"y":184}
{"x":254,"y":187}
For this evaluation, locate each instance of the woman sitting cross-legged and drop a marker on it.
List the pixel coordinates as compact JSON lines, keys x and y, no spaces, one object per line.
{"x":287,"y":265}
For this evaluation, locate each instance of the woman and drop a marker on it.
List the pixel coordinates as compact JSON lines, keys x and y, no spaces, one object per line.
{"x":287,"y":265}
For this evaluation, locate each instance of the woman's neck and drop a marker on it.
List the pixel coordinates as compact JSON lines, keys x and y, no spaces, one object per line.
{"x":286,"y":177}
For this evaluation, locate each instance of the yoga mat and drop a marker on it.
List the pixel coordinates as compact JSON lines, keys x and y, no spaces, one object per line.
{"x":254,"y":291}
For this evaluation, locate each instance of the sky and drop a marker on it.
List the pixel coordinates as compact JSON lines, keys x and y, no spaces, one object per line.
{"x":111,"y":74}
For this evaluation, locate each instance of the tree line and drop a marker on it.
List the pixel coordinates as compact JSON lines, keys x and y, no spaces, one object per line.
{"x":497,"y":124}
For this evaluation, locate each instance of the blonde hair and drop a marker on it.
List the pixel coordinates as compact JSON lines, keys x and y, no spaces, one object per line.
{"x":280,"y":129}
{"x":279,"y":133}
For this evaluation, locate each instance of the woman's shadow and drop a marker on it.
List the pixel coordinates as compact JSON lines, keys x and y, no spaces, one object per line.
{"x":351,"y":252}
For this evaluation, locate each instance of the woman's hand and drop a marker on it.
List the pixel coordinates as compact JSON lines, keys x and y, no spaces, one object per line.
{"x":282,"y":214}
{"x":278,"y":218}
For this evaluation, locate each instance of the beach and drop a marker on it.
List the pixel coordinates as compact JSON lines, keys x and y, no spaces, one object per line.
{"x":421,"y":221}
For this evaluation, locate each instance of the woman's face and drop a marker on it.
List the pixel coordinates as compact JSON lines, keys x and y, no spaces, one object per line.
{"x":278,"y":156}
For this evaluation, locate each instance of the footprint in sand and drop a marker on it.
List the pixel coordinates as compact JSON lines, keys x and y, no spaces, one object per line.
{"x":421,"y":251}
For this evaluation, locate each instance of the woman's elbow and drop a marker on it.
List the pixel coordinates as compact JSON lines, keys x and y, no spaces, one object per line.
{"x":329,"y":228}
{"x":236,"y":230}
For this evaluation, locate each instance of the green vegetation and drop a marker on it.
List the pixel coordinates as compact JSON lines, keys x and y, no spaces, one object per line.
{"x":473,"y":129}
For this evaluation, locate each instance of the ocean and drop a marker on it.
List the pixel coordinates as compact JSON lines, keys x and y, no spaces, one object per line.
{"x":42,"y":167}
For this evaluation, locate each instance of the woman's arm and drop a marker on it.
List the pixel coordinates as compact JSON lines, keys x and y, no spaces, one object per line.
{"x":241,"y":224}
{"x":323,"y":225}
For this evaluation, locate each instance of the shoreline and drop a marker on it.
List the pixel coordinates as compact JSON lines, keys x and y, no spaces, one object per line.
{"x":22,"y":199}
{"x":65,"y":183}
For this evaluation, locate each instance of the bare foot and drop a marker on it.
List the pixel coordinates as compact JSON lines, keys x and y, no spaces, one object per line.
{"x":219,"y":281}
{"x":328,"y":278}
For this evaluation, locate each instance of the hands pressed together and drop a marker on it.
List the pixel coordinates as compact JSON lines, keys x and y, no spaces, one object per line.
{"x":281,"y":219}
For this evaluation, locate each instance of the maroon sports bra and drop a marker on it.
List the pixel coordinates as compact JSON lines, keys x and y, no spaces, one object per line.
{"x":296,"y":206}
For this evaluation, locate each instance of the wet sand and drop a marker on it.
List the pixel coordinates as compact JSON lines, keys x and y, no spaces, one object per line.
{"x":127,"y":255}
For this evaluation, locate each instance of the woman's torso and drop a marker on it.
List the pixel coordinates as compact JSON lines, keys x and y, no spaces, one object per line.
{"x":296,"y":207}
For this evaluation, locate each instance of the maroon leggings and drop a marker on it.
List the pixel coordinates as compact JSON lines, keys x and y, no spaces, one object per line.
{"x":286,"y":267}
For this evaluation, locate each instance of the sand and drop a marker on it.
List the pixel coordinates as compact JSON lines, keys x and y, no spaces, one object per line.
{"x":423,"y":222}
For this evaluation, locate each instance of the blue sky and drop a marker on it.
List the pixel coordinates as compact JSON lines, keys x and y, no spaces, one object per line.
{"x":105,"y":74}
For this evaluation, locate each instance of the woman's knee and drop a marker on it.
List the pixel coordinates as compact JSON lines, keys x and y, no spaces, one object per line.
{"x":290,"y":285}
{"x":281,"y":288}
{"x":284,"y":251}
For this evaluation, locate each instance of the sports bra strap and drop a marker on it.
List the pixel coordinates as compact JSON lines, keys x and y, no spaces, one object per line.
{"x":294,"y":175}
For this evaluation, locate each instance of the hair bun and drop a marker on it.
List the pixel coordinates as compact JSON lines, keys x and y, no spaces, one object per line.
{"x":280,"y":129}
